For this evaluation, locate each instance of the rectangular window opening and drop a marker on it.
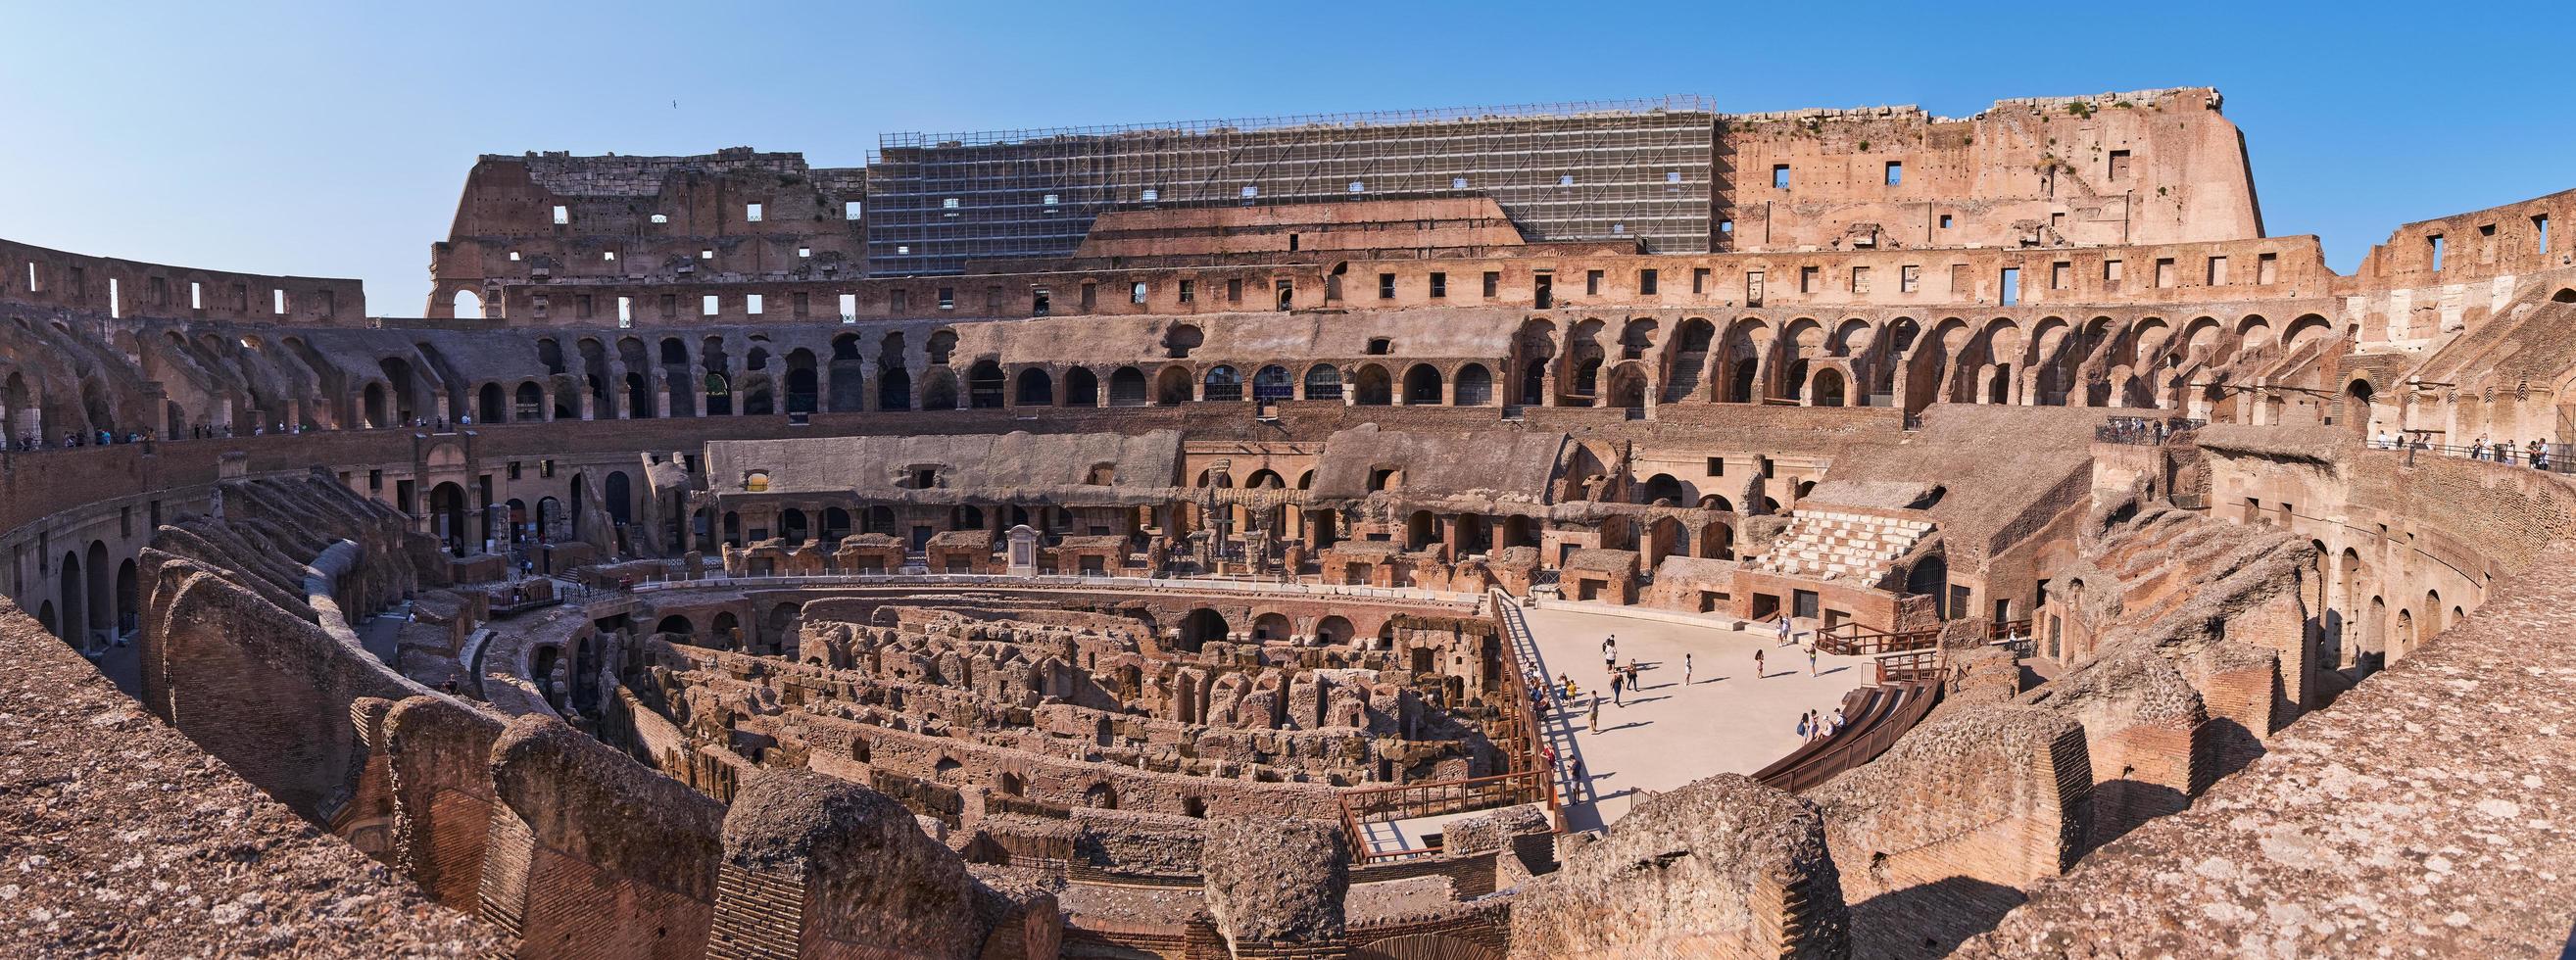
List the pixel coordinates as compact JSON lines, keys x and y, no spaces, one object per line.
{"x":1439,"y":285}
{"x":1493,"y":283}
{"x":563,"y":214}
{"x":751,"y":212}
{"x":2011,"y":283}
{"x":707,"y":305}
{"x":1386,"y":286}
{"x":1779,"y":176}
{"x":1895,"y":173}
{"x":1646,"y":282}
{"x":2119,"y":165}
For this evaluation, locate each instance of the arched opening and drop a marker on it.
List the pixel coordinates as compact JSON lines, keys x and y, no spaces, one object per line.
{"x":447,"y":517}
{"x":1422,"y":386}
{"x":2355,"y":414}
{"x":1475,"y":534}
{"x":619,"y":494}
{"x":1272,"y":384}
{"x":894,"y":390}
{"x":941,"y":392}
{"x":100,"y":590}
{"x":1474,"y":387}
{"x":791,"y":526}
{"x":675,"y":624}
{"x":371,"y":404}
{"x":1201,"y":626}
{"x":1271,"y":626}
{"x":1373,"y":387}
{"x":75,"y":618}
{"x":836,"y":524}
{"x":1081,"y":388}
{"x":802,"y":390}
{"x":1419,"y":529}
{"x":1127,"y":387}
{"x":1223,"y":384}
{"x":725,"y":632}
{"x":1323,"y":382}
{"x":529,"y":403}
{"x":639,"y":397}
{"x":1519,"y":532}
{"x":1333,"y":629}
{"x":1663,"y":489}
{"x":488,"y":407}
{"x":1035,"y":389}
{"x":1100,"y":796}
{"x":468,"y":305}
{"x":1717,"y":542}
{"x":129,"y":607}
{"x":1828,"y":391}
{"x":984,"y":385}
{"x":1172,"y":387}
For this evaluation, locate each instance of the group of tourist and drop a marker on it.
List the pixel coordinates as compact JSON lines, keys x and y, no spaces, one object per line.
{"x":1816,"y":725}
{"x":2534,"y":453}
{"x":101,"y":438}
{"x":28,"y":443}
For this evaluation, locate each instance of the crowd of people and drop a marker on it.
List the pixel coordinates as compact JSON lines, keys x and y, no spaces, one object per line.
{"x":30,"y":442}
{"x":2536,"y":454}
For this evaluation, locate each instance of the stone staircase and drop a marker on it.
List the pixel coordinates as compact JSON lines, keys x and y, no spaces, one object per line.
{"x":1835,"y":545}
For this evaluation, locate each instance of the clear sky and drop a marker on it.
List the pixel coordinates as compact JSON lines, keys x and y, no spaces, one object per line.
{"x":332,"y":140}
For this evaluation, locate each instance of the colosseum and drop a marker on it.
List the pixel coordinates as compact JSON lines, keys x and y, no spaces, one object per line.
{"x":1623,"y":530}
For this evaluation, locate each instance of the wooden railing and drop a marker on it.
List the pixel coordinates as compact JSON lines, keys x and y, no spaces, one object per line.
{"x":1848,"y":639}
{"x":1912,"y":666}
{"x":1864,"y":741}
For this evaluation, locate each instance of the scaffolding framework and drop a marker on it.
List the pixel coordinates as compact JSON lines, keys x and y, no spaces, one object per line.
{"x":1624,"y":170}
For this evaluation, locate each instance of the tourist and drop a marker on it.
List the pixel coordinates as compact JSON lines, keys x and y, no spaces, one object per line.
{"x":2478,"y":450}
{"x":1757,"y":664}
{"x":1686,"y":669}
{"x":1632,"y":674}
{"x":1610,"y":653}
{"x":1836,"y":724}
{"x":1805,"y":731}
{"x":1811,"y":659}
{"x":1596,"y":713}
{"x":1784,"y":631}
{"x":1567,"y":681}
{"x":1616,"y":683}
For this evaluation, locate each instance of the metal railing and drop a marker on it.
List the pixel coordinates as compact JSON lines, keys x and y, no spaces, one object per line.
{"x":2549,"y":457}
{"x":1197,"y":584}
{"x":2146,"y":431}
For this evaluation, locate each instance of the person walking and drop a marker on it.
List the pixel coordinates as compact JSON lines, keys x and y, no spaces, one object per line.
{"x":1596,"y":713}
{"x":1686,"y":669}
{"x":1757,"y":664}
{"x":1784,"y":631}
{"x":1811,"y":659}
{"x":1616,"y":682}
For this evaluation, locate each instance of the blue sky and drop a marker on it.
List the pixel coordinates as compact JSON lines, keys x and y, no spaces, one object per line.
{"x":332,"y":139}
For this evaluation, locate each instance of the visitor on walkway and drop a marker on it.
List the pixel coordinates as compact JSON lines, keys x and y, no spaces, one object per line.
{"x":1632,"y":674}
{"x":1610,"y":653}
{"x":1686,"y":669}
{"x":1615,"y":697}
{"x":1757,"y":664}
{"x":1835,"y":725}
{"x":1596,"y":713}
{"x":1806,"y":730}
{"x":1784,"y":631}
{"x":1567,"y":682}
{"x":1811,"y":659}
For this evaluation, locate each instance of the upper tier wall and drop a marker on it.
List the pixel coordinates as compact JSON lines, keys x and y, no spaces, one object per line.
{"x":32,"y":276}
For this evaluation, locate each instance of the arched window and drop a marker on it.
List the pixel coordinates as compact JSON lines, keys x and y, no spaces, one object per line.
{"x":1323,"y":382}
{"x":1273,"y":384}
{"x":1224,"y":384}
{"x":1474,"y":387}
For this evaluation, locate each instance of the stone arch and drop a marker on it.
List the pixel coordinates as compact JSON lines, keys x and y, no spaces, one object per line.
{"x":1173,"y":386}
{"x":1127,"y":388}
{"x":1828,"y":388}
{"x":1422,"y":385}
{"x":1202,"y":625}
{"x":1034,"y":388}
{"x":1081,"y":387}
{"x":1272,"y":626}
{"x":1473,"y":387}
{"x":1372,"y":387}
{"x":1333,"y":628}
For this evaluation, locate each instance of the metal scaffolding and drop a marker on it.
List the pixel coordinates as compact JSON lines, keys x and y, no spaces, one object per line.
{"x":1584,"y":171}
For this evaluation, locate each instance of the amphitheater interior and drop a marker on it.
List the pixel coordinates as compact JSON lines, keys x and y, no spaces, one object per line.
{"x":710,"y":573}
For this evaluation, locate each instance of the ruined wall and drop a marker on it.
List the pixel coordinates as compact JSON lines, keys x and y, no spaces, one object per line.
{"x":2150,"y":166}
{"x":1724,"y":867}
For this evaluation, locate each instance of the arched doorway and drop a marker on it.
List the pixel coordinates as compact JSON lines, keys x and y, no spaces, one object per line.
{"x":1201,"y":626}
{"x":447,"y":517}
{"x":1828,"y":391}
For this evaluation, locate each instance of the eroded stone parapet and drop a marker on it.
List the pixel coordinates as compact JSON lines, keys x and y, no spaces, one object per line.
{"x":1276,"y":881}
{"x":593,"y":854}
{"x":1939,"y":836}
{"x":1724,"y":867}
